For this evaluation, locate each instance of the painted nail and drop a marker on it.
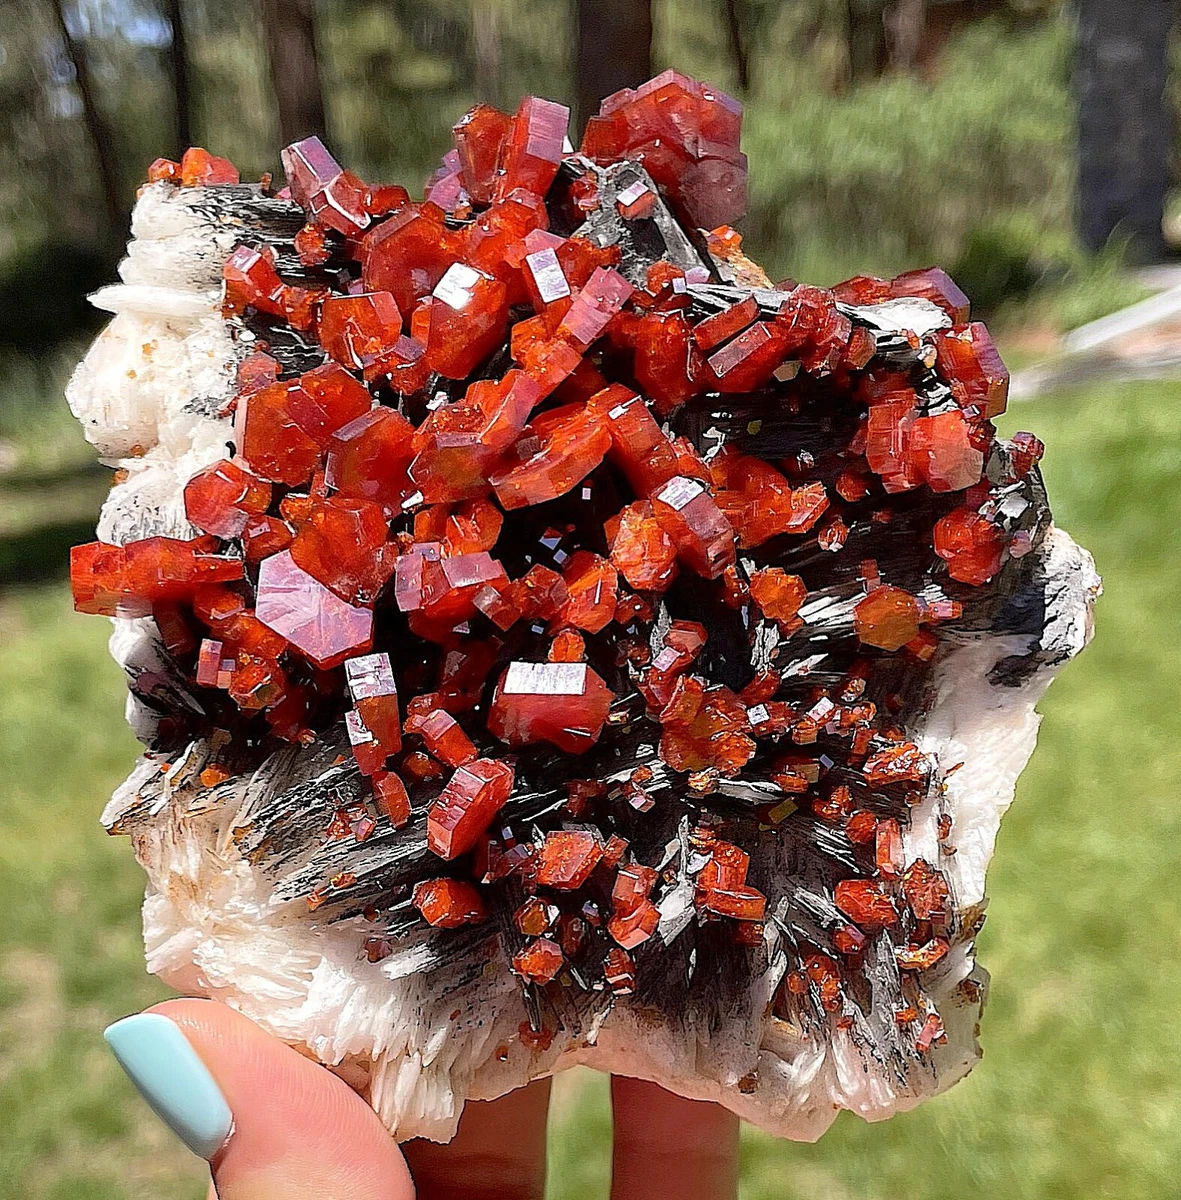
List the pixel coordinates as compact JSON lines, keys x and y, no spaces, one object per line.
{"x":172,"y":1079}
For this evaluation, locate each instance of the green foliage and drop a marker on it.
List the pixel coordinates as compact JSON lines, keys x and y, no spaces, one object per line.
{"x":903,"y":171}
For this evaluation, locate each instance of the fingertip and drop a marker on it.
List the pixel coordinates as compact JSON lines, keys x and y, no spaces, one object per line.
{"x":173,"y":1079}
{"x":298,"y":1130}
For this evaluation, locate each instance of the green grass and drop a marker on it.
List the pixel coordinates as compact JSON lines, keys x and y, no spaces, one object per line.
{"x":1076,"y":1095}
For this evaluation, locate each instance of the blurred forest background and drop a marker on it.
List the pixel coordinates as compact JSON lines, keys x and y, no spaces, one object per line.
{"x":1026,"y":145}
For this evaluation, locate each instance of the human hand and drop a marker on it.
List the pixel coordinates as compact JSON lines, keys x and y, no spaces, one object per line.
{"x":276,"y":1126}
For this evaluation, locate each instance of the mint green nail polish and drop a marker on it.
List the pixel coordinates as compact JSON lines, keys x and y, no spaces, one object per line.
{"x":172,"y":1079}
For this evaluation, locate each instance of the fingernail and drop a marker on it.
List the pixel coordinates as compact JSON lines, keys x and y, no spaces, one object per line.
{"x":172,"y":1079}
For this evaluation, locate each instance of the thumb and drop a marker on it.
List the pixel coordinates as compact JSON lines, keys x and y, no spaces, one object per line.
{"x":273,"y":1125}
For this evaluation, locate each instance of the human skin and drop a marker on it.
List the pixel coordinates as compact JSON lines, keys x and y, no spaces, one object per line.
{"x":300,"y":1132}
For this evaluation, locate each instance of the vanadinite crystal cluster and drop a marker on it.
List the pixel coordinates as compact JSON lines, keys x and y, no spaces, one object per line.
{"x":554,"y":617}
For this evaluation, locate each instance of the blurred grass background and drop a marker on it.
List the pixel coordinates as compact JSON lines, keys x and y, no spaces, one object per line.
{"x":968,"y":161}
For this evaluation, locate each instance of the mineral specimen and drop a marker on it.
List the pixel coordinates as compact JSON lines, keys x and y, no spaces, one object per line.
{"x":553,"y":641}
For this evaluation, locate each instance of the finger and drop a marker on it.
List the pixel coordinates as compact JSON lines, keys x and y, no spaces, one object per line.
{"x":668,"y":1146}
{"x":498,"y":1153}
{"x":298,"y":1132}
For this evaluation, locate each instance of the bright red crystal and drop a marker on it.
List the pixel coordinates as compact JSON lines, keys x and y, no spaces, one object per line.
{"x":447,"y":587}
{"x":369,"y":753}
{"x":479,"y":136}
{"x":539,"y":961}
{"x":901,"y":762}
{"x":535,"y":917}
{"x":740,"y":903}
{"x":443,"y":736}
{"x":600,"y":298}
{"x":703,"y":537}
{"x":448,"y":903}
{"x":636,"y":927}
{"x":463,"y":321}
{"x":360,"y":331}
{"x":638,"y":445}
{"x":369,"y":458}
{"x":374,"y":691}
{"x":343,"y":545}
{"x":533,"y":149}
{"x":968,"y":359}
{"x":127,"y":580}
{"x":464,"y":528}
{"x":330,"y":195}
{"x":593,"y":587}
{"x":209,"y":659}
{"x":1027,"y":453}
{"x":467,"y":806}
{"x":972,"y":546}
{"x":223,"y":497}
{"x":199,"y":168}
{"x":686,"y":134}
{"x":251,"y":279}
{"x":390,"y":794}
{"x":565,"y":704}
{"x":887,"y":618}
{"x":888,"y":848}
{"x":668,"y":365}
{"x":715,"y":737}
{"x":408,"y":254}
{"x":865,"y":901}
{"x":633,"y":885}
{"x":459,"y":445}
{"x":283,"y":429}
{"x":567,"y":858}
{"x":760,"y":503}
{"x":164,"y":170}
{"x":619,"y":970}
{"x":570,"y":442}
{"x":746,"y":362}
{"x":312,"y":246}
{"x":922,"y":958}
{"x":945,"y":452}
{"x":934,"y":284}
{"x":778,"y":594}
{"x":926,"y":891}
{"x":724,"y":325}
{"x":319,"y":624}
{"x":642,"y":551}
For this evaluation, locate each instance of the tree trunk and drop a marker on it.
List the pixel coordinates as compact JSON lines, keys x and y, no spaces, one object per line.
{"x":866,"y":29}
{"x":614,"y":50}
{"x":289,"y":28}
{"x":486,"y":50}
{"x":96,"y":127}
{"x":1124,"y":126}
{"x":906,"y":25}
{"x":739,"y":54}
{"x":178,"y":63}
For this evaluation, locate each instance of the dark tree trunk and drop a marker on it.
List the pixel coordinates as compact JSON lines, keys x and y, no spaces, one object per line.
{"x":866,"y":29}
{"x":736,"y":33}
{"x":906,"y":27}
{"x":1124,"y":127}
{"x":178,"y":64}
{"x":96,"y":127}
{"x":614,"y":50}
{"x":289,"y":28}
